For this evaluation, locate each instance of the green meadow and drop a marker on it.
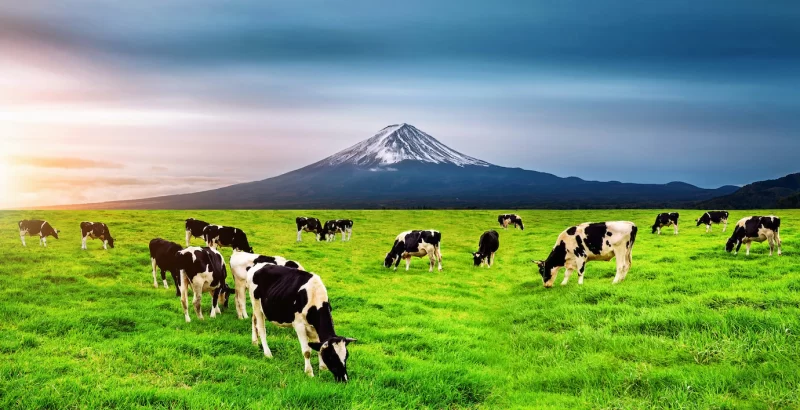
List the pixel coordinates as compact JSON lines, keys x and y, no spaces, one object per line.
{"x":690,"y":327}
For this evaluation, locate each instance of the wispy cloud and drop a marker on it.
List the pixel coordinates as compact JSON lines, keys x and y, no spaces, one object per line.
{"x":64,"y":162}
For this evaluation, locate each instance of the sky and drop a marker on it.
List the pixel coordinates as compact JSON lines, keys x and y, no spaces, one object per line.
{"x":107,"y":100}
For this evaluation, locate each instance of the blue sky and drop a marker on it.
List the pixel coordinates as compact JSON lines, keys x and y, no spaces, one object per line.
{"x":150,"y":97}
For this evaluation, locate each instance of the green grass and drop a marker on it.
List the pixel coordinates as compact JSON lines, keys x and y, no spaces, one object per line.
{"x":690,"y":327}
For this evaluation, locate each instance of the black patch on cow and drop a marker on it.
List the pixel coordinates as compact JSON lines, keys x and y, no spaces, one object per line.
{"x":580,"y":250}
{"x":571,"y":231}
{"x":278,"y":289}
{"x":595,"y":233}
{"x":292,"y":264}
{"x":264,"y":259}
{"x":557,"y":258}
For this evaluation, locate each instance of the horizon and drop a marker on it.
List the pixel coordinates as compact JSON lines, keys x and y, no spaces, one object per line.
{"x":96,"y":106}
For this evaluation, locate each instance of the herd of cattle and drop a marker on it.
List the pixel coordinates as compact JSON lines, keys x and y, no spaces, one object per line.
{"x":284,"y":293}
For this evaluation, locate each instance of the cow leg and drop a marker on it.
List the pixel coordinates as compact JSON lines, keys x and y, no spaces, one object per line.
{"x":581,"y":268}
{"x":176,"y":277}
{"x":185,"y":295}
{"x":658,"y":229}
{"x":432,"y":258}
{"x":747,"y":246}
{"x":676,"y":229}
{"x":105,"y":244}
{"x":491,"y":259}
{"x":260,"y":319}
{"x":197,"y":290}
{"x":44,"y":241}
{"x":22,"y":238}
{"x":771,"y":242}
{"x":567,"y":272}
{"x":708,"y":228}
{"x":164,"y":280}
{"x":253,"y":327}
{"x":620,"y":267}
{"x":83,"y":243}
{"x":240,"y":298}
{"x":155,"y":282}
{"x":778,"y":242}
{"x":725,"y":226}
{"x":215,"y":302}
{"x":408,"y":262}
{"x":188,"y":237}
{"x":302,"y":336}
{"x":439,"y":256}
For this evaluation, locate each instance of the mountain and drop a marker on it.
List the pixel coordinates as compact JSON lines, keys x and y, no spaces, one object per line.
{"x":771,"y":194}
{"x":403,"y":167}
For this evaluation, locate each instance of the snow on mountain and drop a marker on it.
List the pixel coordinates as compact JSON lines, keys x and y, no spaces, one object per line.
{"x":400,"y":142}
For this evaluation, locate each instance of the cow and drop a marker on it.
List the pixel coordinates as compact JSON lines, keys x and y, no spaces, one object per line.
{"x":96,"y":230}
{"x":241,"y":262}
{"x":487,"y":246}
{"x":305,"y":224}
{"x":344,"y":226}
{"x":194,"y":228}
{"x":164,"y":255}
{"x":666,"y":219}
{"x":36,"y":227}
{"x":756,"y":229}
{"x":508,"y":219}
{"x":295,"y":298}
{"x":216,"y":235}
{"x":589,"y":242}
{"x":713,"y":217}
{"x":415,"y":243}
{"x":203,"y":269}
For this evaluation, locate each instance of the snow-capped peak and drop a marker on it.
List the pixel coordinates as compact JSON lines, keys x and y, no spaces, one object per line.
{"x":400,"y":142}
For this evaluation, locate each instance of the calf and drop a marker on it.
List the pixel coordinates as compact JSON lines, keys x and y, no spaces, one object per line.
{"x":343,"y":226}
{"x":241,"y":262}
{"x":415,"y":243}
{"x":203,"y":269}
{"x":713,"y":217}
{"x":96,"y":230}
{"x":296,"y":298}
{"x":588,"y":242}
{"x":487,"y":246}
{"x":309,"y":225}
{"x":194,"y":228}
{"x":164,"y":255}
{"x":508,"y":219}
{"x":756,"y":229}
{"x":37,"y":227}
{"x":666,"y":219}
{"x":216,"y":235}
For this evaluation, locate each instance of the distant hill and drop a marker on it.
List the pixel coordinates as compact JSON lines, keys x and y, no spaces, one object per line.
{"x":403,"y":167}
{"x":774,"y":193}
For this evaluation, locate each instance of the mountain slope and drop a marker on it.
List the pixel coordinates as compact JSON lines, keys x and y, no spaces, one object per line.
{"x":774,"y":193}
{"x":403,"y":167}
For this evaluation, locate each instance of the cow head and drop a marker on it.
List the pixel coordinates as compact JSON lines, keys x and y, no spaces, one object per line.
{"x":224,"y":295}
{"x":521,"y":226}
{"x":390,"y":259}
{"x":477,"y":258}
{"x":732,"y":242}
{"x":333,"y":353}
{"x":548,"y":276}
{"x":655,"y":228}
{"x":110,"y":241}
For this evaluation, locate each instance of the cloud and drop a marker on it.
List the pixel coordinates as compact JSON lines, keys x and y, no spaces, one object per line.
{"x":159,"y":168}
{"x":64,"y":163}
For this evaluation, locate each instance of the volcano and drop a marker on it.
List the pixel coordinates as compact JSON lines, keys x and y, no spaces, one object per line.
{"x":404,"y":167}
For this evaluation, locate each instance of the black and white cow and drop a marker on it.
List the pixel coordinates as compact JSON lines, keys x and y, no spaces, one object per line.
{"x":756,"y":229}
{"x":343,"y":226}
{"x":487,"y":246}
{"x":194,"y":228}
{"x":228,"y":236}
{"x":713,"y":217}
{"x":164,"y":255}
{"x":241,"y":262}
{"x":96,"y":230}
{"x":37,"y":227}
{"x":203,"y":269}
{"x":295,"y":298}
{"x":305,"y":224}
{"x":415,"y":243}
{"x":666,"y":219}
{"x":589,"y":242}
{"x":509,"y":219}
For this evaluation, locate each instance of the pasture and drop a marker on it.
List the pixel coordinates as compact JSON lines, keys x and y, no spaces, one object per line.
{"x":690,"y":327}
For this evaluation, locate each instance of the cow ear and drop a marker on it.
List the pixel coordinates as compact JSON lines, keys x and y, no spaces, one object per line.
{"x":315,"y":345}
{"x":348,"y":340}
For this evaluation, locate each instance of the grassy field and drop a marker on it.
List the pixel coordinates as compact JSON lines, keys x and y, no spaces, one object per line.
{"x":691,"y":327}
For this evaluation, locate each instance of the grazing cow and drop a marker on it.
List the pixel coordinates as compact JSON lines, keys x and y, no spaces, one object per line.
{"x":296,"y":298}
{"x":344,"y":226}
{"x":194,"y":228}
{"x":203,"y":269}
{"x":509,"y":219}
{"x":415,"y":243}
{"x":241,"y":262}
{"x":487,"y":246}
{"x":37,"y":227}
{"x":309,"y":225}
{"x":713,"y":217}
{"x":96,"y":230}
{"x":756,"y":229}
{"x":164,"y":255}
{"x":589,"y":242}
{"x":216,"y":235}
{"x":666,"y":219}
